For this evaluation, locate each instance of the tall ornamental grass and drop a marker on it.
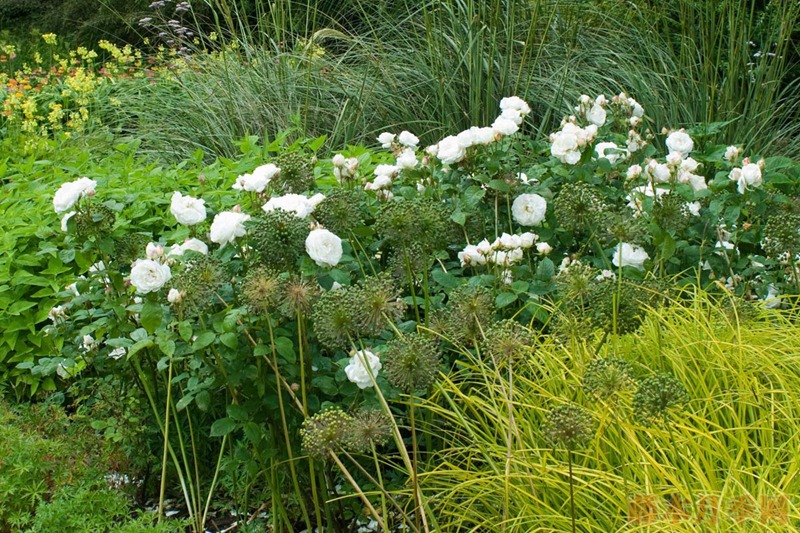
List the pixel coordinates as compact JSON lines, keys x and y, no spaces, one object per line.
{"x":723,"y":461}
{"x":349,"y":70}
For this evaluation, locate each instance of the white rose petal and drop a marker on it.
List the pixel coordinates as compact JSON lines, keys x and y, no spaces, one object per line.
{"x":680,"y":142}
{"x":227,"y":226}
{"x":324,"y":247}
{"x":362,"y":364}
{"x":148,"y":275}
{"x":529,"y":209}
{"x":187,"y":210}
{"x":408,"y":139}
{"x":630,"y":255}
{"x":450,"y":150}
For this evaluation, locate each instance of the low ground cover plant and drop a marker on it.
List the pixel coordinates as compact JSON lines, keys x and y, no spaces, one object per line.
{"x":297,"y":312}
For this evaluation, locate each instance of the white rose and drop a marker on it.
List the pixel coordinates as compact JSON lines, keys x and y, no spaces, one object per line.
{"x":450,"y":150}
{"x":227,"y":226}
{"x":65,"y":220}
{"x":515,"y":103}
{"x":565,"y":147}
{"x":148,"y":275}
{"x":513,"y":115}
{"x":697,"y":181}
{"x":680,"y":142}
{"x":659,"y":171}
{"x":689,"y":164}
{"x":634,"y":171}
{"x":505,"y":126}
{"x":362,"y":365}
{"x":116,"y":353}
{"x":65,"y":197}
{"x":596,"y":115}
{"x":257,"y":180}
{"x":408,"y":139}
{"x":187,"y":210}
{"x":750,"y":176}
{"x":381,"y":182}
{"x":69,"y":193}
{"x":338,"y":160}
{"x":153,"y":250}
{"x":527,"y":239}
{"x":324,"y":247}
{"x":630,"y":255}
{"x":674,"y":159}
{"x":543,"y":248}
{"x":195,"y":245}
{"x":407,"y":159}
{"x":483,"y":136}
{"x":433,"y":150}
{"x":601,"y":148}
{"x":732,"y":153}
{"x":174,"y":296}
{"x":529,"y":209}
{"x":386,"y":139}
{"x":293,"y":203}
{"x":385,"y":170}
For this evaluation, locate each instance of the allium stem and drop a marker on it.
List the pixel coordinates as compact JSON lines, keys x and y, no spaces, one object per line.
{"x":166,"y":444}
{"x":358,"y":490}
{"x":571,"y":491}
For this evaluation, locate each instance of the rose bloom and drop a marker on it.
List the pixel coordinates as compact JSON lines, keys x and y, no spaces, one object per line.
{"x":516,"y":103}
{"x":529,"y":209}
{"x":187,"y":210}
{"x":601,"y":148}
{"x":227,"y":226}
{"x":407,"y":159}
{"x":732,"y":153}
{"x":596,"y":115}
{"x":505,"y":126}
{"x":565,"y":147}
{"x":408,"y":139}
{"x":69,"y":193}
{"x":680,"y":142}
{"x":324,"y":247}
{"x":630,"y":255}
{"x":386,"y":139}
{"x":294,"y":203}
{"x":148,"y":275}
{"x":361,"y":365}
{"x":257,"y":180}
{"x":450,"y":150}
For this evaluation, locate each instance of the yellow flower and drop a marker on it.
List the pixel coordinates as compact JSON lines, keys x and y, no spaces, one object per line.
{"x":49,"y":38}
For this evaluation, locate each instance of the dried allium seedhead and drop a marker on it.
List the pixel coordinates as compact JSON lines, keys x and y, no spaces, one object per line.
{"x":297,"y":295}
{"x":297,"y":172}
{"x":507,"y":341}
{"x":579,"y":207}
{"x":199,"y":282}
{"x":411,"y":363}
{"x":369,"y":428}
{"x":94,"y":219}
{"x":656,"y":397}
{"x":261,"y":289}
{"x":670,"y":213}
{"x":420,"y":221}
{"x":568,"y":427}
{"x":278,"y":238}
{"x":608,"y":378}
{"x":335,"y":319}
{"x":782,"y":235}
{"x":325,"y":432}
{"x":341,"y":211}
{"x":376,"y":301}
{"x":131,"y":247}
{"x":468,"y":311}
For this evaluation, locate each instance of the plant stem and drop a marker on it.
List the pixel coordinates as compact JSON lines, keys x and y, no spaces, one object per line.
{"x":162,"y":490}
{"x":571,"y":491}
